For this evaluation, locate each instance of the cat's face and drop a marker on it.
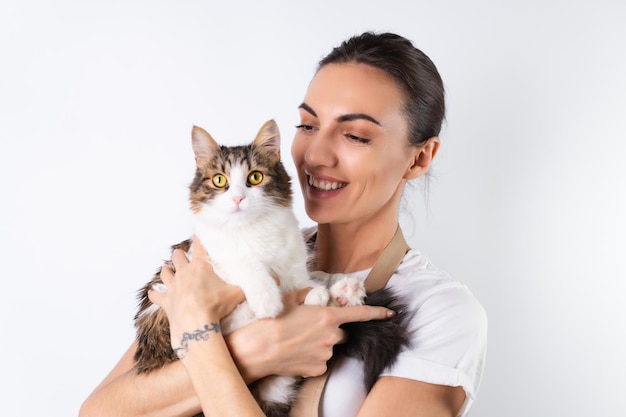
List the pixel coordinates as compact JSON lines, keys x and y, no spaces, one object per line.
{"x":239,"y":183}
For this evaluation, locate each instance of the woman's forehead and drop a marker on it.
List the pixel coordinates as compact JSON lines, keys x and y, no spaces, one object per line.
{"x":338,"y":90}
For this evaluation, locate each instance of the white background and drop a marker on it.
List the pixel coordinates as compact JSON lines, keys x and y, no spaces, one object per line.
{"x":526,"y":204}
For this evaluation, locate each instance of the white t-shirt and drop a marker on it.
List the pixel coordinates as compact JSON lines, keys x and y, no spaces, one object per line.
{"x":449,"y":337}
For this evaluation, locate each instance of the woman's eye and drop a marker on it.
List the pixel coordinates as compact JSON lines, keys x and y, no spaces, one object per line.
{"x":305,"y":128}
{"x":255,"y":178}
{"x":219,"y":180}
{"x":357,"y":138}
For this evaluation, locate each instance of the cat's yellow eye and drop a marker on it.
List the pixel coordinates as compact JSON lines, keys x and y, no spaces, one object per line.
{"x":219,"y":181}
{"x":255,"y":178}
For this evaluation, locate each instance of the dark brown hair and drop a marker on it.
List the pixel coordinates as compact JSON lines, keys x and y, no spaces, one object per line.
{"x":414,"y":72}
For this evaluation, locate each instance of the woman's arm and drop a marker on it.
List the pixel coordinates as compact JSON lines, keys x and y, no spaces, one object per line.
{"x":195,"y":302}
{"x":164,"y":392}
{"x":297,"y":343}
{"x":266,"y":347}
{"x":168,"y":391}
{"x":213,"y":373}
{"x":450,"y":335}
{"x":411,"y":398}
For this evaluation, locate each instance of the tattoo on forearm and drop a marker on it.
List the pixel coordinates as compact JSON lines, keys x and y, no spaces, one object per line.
{"x":201,"y":334}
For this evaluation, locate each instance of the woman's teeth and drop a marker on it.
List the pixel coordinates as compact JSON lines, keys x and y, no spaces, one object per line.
{"x":325,"y":185}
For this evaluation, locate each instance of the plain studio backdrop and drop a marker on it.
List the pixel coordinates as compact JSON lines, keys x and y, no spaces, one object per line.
{"x":525,"y":205}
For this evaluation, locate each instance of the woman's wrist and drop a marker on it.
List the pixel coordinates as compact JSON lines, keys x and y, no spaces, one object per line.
{"x":196,"y":334}
{"x":208,"y":360}
{"x":251,"y":356}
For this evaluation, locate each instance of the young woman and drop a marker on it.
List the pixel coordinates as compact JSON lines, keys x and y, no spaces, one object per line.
{"x":369,"y":122}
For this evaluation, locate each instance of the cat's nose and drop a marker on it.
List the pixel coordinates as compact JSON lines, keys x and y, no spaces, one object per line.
{"x":238,"y":199}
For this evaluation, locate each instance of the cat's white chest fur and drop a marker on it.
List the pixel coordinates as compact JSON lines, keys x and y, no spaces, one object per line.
{"x":265,"y":258}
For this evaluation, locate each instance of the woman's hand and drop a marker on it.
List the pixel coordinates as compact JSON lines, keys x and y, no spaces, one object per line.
{"x":297,"y":343}
{"x":195,"y":295}
{"x":195,"y":301}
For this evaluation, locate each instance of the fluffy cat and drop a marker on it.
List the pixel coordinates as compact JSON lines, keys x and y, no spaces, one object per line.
{"x":241,"y":202}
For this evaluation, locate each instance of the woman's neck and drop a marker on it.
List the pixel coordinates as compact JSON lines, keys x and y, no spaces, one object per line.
{"x":344,"y":248}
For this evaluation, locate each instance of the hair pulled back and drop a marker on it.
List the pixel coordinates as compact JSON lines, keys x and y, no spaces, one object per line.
{"x":414,"y":72}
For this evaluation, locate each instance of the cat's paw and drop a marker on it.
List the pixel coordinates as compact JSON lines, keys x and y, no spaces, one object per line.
{"x":268,"y":311}
{"x":266,"y":305}
{"x":347,"y":292}
{"x":318,"y":296}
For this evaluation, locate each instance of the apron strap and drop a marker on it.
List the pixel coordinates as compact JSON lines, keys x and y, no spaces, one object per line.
{"x":310,"y":392}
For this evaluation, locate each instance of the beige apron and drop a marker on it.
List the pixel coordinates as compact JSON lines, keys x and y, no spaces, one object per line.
{"x":308,"y":402}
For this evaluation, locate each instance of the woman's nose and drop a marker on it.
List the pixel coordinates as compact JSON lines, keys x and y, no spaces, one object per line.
{"x":321,"y":151}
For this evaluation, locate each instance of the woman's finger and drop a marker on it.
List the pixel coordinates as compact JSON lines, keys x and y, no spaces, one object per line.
{"x":166,"y":274}
{"x":362,"y":313}
{"x":179,"y":258}
{"x":198,"y":250}
{"x":295,"y":297}
{"x":156,"y":297}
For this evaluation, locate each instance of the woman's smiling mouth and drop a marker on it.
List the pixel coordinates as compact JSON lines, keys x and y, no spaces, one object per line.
{"x":324,"y":184}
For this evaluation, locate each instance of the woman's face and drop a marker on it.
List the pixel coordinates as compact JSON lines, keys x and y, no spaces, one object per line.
{"x":351,"y":149}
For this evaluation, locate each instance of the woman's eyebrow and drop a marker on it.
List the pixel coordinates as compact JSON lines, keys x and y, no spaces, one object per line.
{"x":343,"y":118}
{"x":307,"y":108}
{"x":357,"y":116}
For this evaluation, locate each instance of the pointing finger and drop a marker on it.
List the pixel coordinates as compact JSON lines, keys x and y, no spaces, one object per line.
{"x":362,"y":313}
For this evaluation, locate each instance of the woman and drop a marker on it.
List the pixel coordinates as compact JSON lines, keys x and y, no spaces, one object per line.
{"x":370,"y":122}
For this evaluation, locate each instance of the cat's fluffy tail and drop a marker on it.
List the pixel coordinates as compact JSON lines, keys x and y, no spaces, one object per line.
{"x":377,"y":343}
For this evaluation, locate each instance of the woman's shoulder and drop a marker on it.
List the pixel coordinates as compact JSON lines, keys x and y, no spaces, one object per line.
{"x":417,"y":273}
{"x":425,"y":286}
{"x":449,"y":327}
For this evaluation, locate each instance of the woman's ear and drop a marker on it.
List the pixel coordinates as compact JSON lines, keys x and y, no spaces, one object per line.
{"x":422,"y":158}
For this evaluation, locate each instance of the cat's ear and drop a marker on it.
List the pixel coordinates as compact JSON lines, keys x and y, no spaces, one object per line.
{"x":268,"y":137}
{"x":204,"y":146}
